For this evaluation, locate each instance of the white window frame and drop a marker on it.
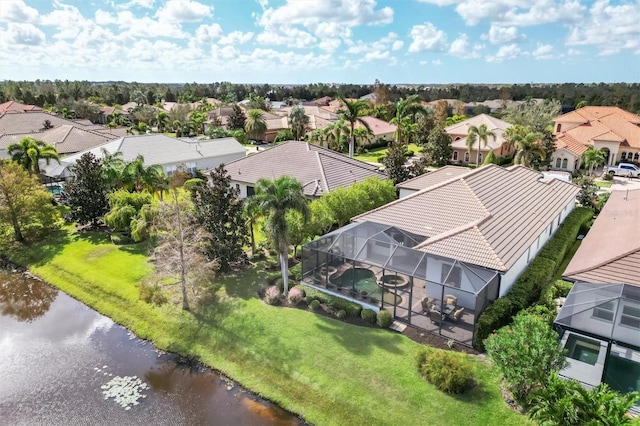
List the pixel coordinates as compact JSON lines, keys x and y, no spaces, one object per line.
{"x":631,"y":317}
{"x":603,"y":309}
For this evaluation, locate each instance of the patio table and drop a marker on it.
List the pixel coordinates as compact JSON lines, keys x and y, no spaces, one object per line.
{"x":446,"y":309}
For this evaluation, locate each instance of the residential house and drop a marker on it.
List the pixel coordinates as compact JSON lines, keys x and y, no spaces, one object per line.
{"x":600,"y":319}
{"x":459,"y":132}
{"x":104,"y":112}
{"x":612,"y":129}
{"x":428,"y":179}
{"x":171,"y":153}
{"x":318,"y":169}
{"x":438,"y":257}
{"x":16,"y":107}
{"x":381,"y":130}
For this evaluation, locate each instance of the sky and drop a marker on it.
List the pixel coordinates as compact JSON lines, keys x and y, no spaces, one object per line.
{"x":328,"y":41}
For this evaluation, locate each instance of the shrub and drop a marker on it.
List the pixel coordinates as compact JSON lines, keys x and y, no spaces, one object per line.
{"x":314,"y":305}
{"x":271,"y":295}
{"x":341,"y":314}
{"x":384,"y":319}
{"x":409,"y":153}
{"x":295,"y":295}
{"x":369,"y":315}
{"x":152,"y":293}
{"x":380,"y":158}
{"x":561,"y":288}
{"x":258,"y":255}
{"x":448,"y":371}
{"x":351,"y":308}
{"x":607,"y":176}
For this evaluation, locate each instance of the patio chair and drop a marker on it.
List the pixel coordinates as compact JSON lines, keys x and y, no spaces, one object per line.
{"x":455,"y":316}
{"x":426,"y":304}
{"x":436,"y":317}
{"x":450,"y":300}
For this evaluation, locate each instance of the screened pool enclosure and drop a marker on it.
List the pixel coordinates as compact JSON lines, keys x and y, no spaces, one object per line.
{"x":377,"y":266}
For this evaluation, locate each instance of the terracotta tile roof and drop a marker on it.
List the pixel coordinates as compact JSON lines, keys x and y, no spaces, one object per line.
{"x":13,"y":106}
{"x":569,"y":143}
{"x":490,"y":216}
{"x":435,"y":177}
{"x":602,"y":123}
{"x":377,"y":126}
{"x":319,"y":170}
{"x":33,"y":121}
{"x":610,"y":253}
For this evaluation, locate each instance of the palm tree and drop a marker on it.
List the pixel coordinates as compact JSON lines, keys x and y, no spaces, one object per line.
{"x":334,"y":134}
{"x":112,"y":167}
{"x":255,"y":126}
{"x":29,"y":151}
{"x":67,"y":113}
{"x":480,"y":133}
{"x":299,"y":122}
{"x":161,"y":119}
{"x":408,"y":107}
{"x":138,"y":177}
{"x":527,"y":148}
{"x":593,"y":157}
{"x":273,"y":199}
{"x":352,"y":112}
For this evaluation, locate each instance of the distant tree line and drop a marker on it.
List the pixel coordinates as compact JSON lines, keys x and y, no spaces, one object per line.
{"x":62,"y":93}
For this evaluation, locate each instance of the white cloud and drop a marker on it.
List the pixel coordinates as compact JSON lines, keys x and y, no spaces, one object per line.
{"x":544,"y":51}
{"x":132,"y":27}
{"x":207,"y":33}
{"x":436,"y":62}
{"x":311,"y":13}
{"x":67,"y":19}
{"x":287,"y":36}
{"x":461,"y":48}
{"x":520,"y":12}
{"x":440,"y":2}
{"x":17,"y":11}
{"x":610,"y":28}
{"x":387,"y":42}
{"x":183,"y":11}
{"x":427,"y":37}
{"x":500,"y":35}
{"x":23,"y":34}
{"x":574,"y":52}
{"x":236,"y":37}
{"x":376,"y":56}
{"x":508,"y":51}
{"x":397,"y":45}
{"x":147,"y":4}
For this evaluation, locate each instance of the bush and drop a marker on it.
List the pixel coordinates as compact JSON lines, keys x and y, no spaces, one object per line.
{"x":369,"y":315}
{"x":380,"y":158}
{"x":152,"y":293}
{"x":295,"y":296}
{"x":409,"y":153}
{"x":448,"y":371}
{"x":384,"y":319}
{"x":271,"y":295}
{"x":607,"y":176}
{"x":561,"y":288}
{"x":314,"y":305}
{"x":341,"y":314}
{"x":351,"y":308}
{"x":534,"y":285}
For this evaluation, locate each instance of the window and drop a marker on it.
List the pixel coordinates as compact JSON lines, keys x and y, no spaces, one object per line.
{"x":558,"y":128}
{"x":558,"y":162}
{"x":250,"y":191}
{"x":564,"y":163}
{"x":451,"y":276}
{"x":455,"y":155}
{"x":623,"y":156}
{"x":636,"y":157}
{"x":604,"y":311}
{"x":480,"y":157}
{"x":630,"y":316}
{"x":583,"y":349}
{"x":238,"y":186}
{"x":466,"y":157}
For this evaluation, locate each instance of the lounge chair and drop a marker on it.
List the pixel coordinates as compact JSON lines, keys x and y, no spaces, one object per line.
{"x":455,"y":316}
{"x":450,"y":300}
{"x":426,"y":304}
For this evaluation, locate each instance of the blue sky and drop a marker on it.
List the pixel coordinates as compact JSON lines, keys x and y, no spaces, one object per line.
{"x":331,"y":41}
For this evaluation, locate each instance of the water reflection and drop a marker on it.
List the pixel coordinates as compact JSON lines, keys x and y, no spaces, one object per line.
{"x":24,"y":298}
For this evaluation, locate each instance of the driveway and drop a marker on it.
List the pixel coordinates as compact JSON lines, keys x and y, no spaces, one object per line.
{"x":622,"y":183}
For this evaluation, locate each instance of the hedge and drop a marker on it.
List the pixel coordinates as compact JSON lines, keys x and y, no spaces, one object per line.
{"x":535,"y":285}
{"x":351,"y":308}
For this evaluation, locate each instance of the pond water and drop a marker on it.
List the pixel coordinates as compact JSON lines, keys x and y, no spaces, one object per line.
{"x":62,"y":363}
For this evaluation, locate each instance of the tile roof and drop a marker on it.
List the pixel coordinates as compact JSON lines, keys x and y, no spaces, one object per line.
{"x":610,"y":253}
{"x":602,"y":123}
{"x":488,"y":217}
{"x":377,"y":126}
{"x":13,"y":106}
{"x":435,"y":177}
{"x":493,"y":124}
{"x":318,"y":169}
{"x":571,"y":144}
{"x":30,"y":122}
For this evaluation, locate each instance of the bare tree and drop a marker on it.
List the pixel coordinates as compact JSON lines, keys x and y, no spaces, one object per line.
{"x":180,"y":253}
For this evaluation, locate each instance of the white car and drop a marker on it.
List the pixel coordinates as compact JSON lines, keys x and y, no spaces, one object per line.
{"x":624,"y":169}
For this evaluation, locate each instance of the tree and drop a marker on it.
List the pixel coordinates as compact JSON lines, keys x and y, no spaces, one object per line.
{"x":593,"y":157}
{"x":86,"y":193}
{"x":130,"y":214}
{"x":112,"y":167}
{"x":537,"y":115}
{"x":407,"y":108}
{"x":567,"y":402}
{"x":351,"y":113}
{"x":161,"y":120}
{"x":25,"y":206}
{"x":526,"y":353}
{"x":274,"y":198}
{"x":236,"y":119}
{"x":283,"y":136}
{"x":395,"y":164}
{"x":219,"y":211}
{"x":480,"y":134}
{"x":138,"y":177}
{"x":255,"y":126}
{"x":179,"y":253}
{"x":588,"y":195}
{"x":29,"y":151}
{"x":299,"y":122}
{"x":441,"y":112}
{"x":437,"y":150}
{"x":528,"y":148}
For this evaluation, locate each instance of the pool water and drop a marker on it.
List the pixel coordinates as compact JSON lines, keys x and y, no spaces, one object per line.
{"x":365,"y":280}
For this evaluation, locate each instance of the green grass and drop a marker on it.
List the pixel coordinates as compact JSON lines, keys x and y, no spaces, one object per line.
{"x":603,"y":183}
{"x":372,"y":156}
{"x":329,"y":372}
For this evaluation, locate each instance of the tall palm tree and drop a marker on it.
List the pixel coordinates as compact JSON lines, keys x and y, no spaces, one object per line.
{"x":481,"y":134}
{"x":593,"y":157}
{"x":527,"y":148}
{"x":161,"y":120}
{"x":273,"y":199}
{"x":29,"y":151}
{"x":407,"y":108}
{"x":138,"y":177}
{"x":112,"y":167}
{"x":255,"y":126}
{"x":298,"y":121}
{"x":334,"y":134}
{"x":352,"y":112}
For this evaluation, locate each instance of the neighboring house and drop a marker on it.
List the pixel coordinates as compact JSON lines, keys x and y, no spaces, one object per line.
{"x":323,"y":101}
{"x":438,"y":257}
{"x":426,"y":180}
{"x":105,"y":111}
{"x":381,"y":130}
{"x":170,"y":153}
{"x":318,"y":169}
{"x":600,"y":319}
{"x":459,"y":132}
{"x":274,"y":123}
{"x":16,"y":107}
{"x":609,"y":128}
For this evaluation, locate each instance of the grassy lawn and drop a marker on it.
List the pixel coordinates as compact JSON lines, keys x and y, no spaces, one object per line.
{"x":329,"y":372}
{"x":603,"y":183}
{"x":372,"y":156}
